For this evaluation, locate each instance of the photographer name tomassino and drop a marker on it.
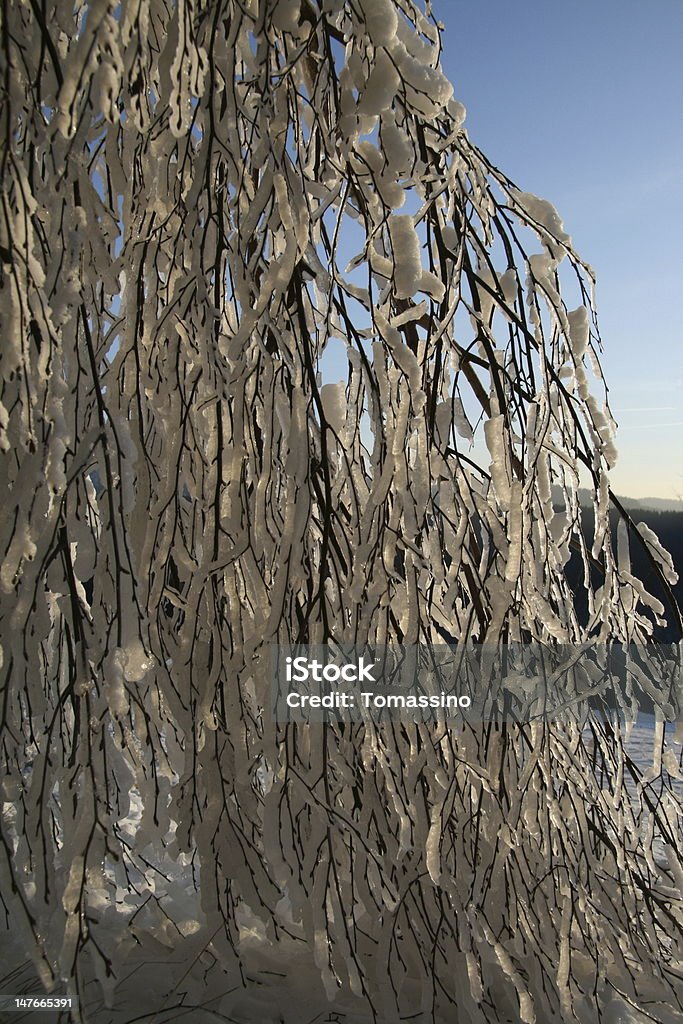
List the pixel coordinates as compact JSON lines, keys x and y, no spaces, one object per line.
{"x":450,"y":701}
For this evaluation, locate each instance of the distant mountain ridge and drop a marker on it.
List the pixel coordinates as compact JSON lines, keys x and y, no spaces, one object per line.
{"x":653,"y":504}
{"x":631,"y":504}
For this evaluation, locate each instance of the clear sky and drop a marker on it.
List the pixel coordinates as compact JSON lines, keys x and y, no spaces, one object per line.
{"x":581,"y":102}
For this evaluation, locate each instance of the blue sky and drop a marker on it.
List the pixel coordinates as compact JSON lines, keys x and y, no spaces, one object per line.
{"x":581,"y":103}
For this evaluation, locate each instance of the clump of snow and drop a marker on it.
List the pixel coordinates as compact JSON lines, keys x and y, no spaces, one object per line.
{"x":398,"y":149}
{"x":405,"y":245}
{"x":579,"y":331}
{"x":494,"y":432}
{"x":659,"y":553}
{"x":381,"y":21}
{"x":286,"y":16}
{"x":457,"y":111}
{"x":333,"y":398}
{"x":135,"y":662}
{"x":542,"y":213}
{"x":4,"y":421}
{"x":409,"y":275}
{"x":381,"y":87}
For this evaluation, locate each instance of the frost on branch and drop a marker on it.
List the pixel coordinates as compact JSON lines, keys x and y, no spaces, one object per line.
{"x":201,"y":202}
